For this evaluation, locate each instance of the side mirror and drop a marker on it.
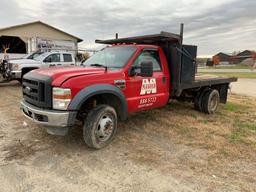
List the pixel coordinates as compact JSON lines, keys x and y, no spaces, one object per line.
{"x":132,"y":71}
{"x":146,"y":69}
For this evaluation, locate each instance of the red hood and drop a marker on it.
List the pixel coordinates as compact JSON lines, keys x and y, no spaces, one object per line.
{"x":61,"y":74}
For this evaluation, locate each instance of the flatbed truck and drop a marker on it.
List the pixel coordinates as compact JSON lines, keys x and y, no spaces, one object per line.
{"x":129,"y":75}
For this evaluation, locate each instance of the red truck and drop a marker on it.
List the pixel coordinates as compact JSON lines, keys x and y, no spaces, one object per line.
{"x":129,"y":75}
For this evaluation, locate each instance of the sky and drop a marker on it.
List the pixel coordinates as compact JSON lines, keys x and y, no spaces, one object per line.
{"x":214,"y":26}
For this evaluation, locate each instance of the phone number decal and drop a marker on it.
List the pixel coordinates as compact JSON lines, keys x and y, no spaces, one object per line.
{"x":147,"y":102}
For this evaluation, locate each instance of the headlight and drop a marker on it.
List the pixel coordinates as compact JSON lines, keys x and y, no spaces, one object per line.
{"x":15,"y":67}
{"x":61,"y":98}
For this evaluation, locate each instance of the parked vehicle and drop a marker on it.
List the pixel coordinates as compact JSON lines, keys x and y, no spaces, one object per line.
{"x":32,"y":55}
{"x":132,"y":75}
{"x":15,"y":69}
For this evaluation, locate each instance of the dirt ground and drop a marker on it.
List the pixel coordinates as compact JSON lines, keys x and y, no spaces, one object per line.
{"x":171,"y":149}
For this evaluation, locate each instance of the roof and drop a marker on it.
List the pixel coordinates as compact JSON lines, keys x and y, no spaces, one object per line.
{"x":42,"y":23}
{"x":246,"y":51}
{"x":225,"y":54}
{"x":145,"y":39}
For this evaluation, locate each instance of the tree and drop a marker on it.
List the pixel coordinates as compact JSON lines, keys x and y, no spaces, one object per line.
{"x":86,"y":55}
{"x":6,"y":48}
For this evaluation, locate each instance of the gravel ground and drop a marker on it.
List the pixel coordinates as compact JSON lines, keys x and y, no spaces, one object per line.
{"x":145,"y":156}
{"x":244,"y":87}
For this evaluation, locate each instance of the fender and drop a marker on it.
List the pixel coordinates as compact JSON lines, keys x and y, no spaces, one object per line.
{"x":90,"y":91}
{"x":25,"y":70}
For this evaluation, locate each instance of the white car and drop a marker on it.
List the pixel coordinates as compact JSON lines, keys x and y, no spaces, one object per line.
{"x":19,"y":67}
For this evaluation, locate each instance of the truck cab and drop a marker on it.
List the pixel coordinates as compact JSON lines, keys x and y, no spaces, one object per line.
{"x":15,"y":69}
{"x":143,"y":87}
{"x":129,"y":75}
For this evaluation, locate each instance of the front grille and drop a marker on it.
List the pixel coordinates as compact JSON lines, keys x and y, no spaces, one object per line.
{"x":37,"y":90}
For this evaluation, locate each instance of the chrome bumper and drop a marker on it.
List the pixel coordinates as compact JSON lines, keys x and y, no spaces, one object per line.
{"x":54,"y":121}
{"x":15,"y":74}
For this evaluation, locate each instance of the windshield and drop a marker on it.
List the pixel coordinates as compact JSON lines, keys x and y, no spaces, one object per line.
{"x":41,"y":56}
{"x":32,"y":55}
{"x":111,"y":57}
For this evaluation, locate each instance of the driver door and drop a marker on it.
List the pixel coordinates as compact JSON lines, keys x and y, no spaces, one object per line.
{"x":52,"y":60}
{"x":147,"y":92}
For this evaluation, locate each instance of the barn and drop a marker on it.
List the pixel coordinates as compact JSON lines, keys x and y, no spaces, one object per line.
{"x":223,"y":58}
{"x":247,"y":54}
{"x":25,"y":38}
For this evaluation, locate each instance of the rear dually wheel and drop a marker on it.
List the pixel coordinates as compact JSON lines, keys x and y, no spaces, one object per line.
{"x":210,"y":101}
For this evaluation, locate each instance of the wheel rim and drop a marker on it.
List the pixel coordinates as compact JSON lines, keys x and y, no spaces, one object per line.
{"x":214,"y":102}
{"x":105,"y":128}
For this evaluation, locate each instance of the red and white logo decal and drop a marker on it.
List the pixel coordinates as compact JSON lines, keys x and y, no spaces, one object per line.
{"x":148,"y":86}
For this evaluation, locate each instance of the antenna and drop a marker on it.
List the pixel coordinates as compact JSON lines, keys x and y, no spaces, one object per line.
{"x":181,"y":32}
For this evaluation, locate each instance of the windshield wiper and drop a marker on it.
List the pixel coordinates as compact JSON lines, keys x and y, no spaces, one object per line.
{"x":106,"y":67}
{"x":98,"y":65}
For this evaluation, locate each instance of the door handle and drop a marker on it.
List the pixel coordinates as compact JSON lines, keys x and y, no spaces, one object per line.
{"x":164,"y":79}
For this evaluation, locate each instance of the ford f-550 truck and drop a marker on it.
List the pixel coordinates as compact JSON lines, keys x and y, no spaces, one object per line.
{"x":129,"y":75}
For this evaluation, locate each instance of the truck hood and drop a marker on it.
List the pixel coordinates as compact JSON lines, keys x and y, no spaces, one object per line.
{"x":61,"y":74}
{"x":24,"y":61}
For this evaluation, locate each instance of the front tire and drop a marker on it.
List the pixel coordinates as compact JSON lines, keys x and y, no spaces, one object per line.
{"x":100,"y":126}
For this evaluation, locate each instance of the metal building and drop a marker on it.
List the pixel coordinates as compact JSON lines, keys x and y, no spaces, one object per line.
{"x":35,"y":36}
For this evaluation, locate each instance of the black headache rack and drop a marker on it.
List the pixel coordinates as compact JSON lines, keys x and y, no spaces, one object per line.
{"x":181,"y":59}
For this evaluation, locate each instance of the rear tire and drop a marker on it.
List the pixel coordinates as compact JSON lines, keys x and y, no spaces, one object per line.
{"x":198,"y":100}
{"x":210,"y":101}
{"x":100,"y":126}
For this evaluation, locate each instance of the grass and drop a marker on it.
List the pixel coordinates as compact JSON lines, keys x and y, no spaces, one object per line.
{"x":248,"y":126}
{"x":214,"y":144}
{"x":241,"y":131}
{"x":249,"y":75}
{"x":236,"y":108}
{"x":229,"y":133}
{"x":236,"y":137}
{"x":230,"y":67}
{"x":231,"y":130}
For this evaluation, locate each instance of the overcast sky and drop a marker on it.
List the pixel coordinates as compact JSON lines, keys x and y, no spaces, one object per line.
{"x":213,"y":25}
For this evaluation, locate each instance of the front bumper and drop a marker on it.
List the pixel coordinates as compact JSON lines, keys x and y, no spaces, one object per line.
{"x":56,"y":122}
{"x":15,"y":74}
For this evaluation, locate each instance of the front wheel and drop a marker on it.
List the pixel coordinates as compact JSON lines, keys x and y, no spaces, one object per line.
{"x":100,"y":126}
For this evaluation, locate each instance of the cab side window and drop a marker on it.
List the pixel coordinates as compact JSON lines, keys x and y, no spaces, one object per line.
{"x":53,"y":58}
{"x":149,"y":55}
{"x":67,"y":57}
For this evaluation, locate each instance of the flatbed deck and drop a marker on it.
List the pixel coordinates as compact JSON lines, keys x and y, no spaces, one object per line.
{"x":202,"y":80}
